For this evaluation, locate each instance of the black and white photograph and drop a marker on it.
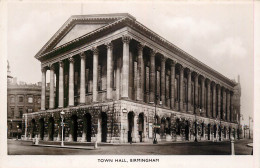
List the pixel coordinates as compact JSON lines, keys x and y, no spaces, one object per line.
{"x":129,"y":84}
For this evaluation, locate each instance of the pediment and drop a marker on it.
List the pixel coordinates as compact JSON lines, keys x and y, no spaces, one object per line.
{"x":77,"y":31}
{"x":78,"y":26}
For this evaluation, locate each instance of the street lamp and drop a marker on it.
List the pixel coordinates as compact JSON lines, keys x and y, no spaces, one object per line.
{"x":155,"y":120}
{"x":62,"y":113}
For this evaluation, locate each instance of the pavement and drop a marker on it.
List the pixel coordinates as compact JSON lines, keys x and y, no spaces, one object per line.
{"x":20,"y":147}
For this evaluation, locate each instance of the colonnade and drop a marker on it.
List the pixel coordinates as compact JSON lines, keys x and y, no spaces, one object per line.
{"x":154,"y":78}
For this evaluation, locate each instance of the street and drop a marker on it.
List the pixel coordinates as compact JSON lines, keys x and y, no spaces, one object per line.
{"x":18,"y":147}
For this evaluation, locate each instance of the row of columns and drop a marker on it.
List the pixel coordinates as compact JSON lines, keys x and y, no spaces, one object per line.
{"x":140,"y":82}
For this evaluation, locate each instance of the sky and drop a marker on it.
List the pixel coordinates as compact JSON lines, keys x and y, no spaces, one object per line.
{"x":218,"y":34}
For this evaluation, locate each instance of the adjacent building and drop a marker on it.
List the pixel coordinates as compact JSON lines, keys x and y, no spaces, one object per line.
{"x":118,"y":81}
{"x":22,"y":99}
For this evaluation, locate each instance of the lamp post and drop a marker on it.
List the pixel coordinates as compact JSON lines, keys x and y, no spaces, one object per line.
{"x":155,"y":120}
{"x":62,"y":113}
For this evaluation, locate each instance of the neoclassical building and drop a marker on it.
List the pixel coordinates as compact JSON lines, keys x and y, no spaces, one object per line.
{"x":117,"y":81}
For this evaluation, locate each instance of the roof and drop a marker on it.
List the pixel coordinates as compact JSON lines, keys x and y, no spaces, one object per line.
{"x":109,"y":21}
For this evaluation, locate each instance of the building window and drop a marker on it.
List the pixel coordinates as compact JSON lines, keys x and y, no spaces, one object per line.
{"x":12,"y":99}
{"x":20,"y":112}
{"x":12,"y":112}
{"x":20,"y":99}
{"x":30,"y":100}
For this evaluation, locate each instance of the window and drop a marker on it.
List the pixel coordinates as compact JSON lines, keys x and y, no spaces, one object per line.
{"x":12,"y":112}
{"x":12,"y":99}
{"x":30,"y":100}
{"x":20,"y":112}
{"x":20,"y":99}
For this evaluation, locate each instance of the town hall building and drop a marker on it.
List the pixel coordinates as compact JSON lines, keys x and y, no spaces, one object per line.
{"x":117,"y":81}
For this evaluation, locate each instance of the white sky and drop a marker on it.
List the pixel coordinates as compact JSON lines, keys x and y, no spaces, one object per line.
{"x":218,"y":34}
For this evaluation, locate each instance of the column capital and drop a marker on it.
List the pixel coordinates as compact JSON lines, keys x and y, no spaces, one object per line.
{"x":153,"y":52}
{"x":173,"y":62}
{"x":109,"y":45}
{"x":140,"y":46}
{"x":43,"y":69}
{"x":71,"y":59}
{"x":61,"y":64}
{"x":82,"y":55}
{"x":51,"y":66}
{"x":181,"y":68}
{"x":126,"y":39}
{"x":95,"y":50}
{"x":163,"y":58}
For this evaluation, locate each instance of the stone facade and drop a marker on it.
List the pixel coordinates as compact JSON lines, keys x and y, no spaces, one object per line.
{"x":22,"y":99}
{"x":121,"y":82}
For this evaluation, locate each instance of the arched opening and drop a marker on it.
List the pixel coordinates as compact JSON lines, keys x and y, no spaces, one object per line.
{"x":33,"y":127}
{"x":141,"y":126}
{"x":41,"y":128}
{"x":87,"y":126}
{"x":225,"y":132}
{"x":168,"y":126}
{"x":238,"y":133}
{"x":219,"y":132}
{"x":130,"y":125}
{"x":229,"y":133}
{"x":187,"y":130}
{"x":178,"y":127}
{"x":51,"y":128}
{"x":163,"y":122}
{"x":74,"y":127}
{"x":157,"y":122}
{"x":103,"y":127}
{"x":202,"y":129}
{"x":215,"y":131}
{"x":208,"y":131}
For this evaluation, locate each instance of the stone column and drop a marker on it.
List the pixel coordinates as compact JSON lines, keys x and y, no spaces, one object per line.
{"x":214,"y":101}
{"x":109,"y":70}
{"x":196,"y":83}
{"x":203,"y":105}
{"x":125,"y":67}
{"x":173,"y":63}
{"x":95,"y":73}
{"x":61,"y":85}
{"x":231,"y":107}
{"x":152,"y":76}
{"x":223,"y":103}
{"x":189,"y":90}
{"x":82,"y":78}
{"x":140,"y":75}
{"x":209,"y":106}
{"x":71,"y":82}
{"x":228,"y":105}
{"x":219,"y":103}
{"x":43,"y":95}
{"x":135,"y":134}
{"x":163,"y":59}
{"x":181,"y":69}
{"x":51,"y":100}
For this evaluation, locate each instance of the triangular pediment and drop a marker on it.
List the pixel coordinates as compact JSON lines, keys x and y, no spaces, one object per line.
{"x":78,"y":26}
{"x":77,"y":31}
